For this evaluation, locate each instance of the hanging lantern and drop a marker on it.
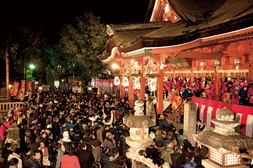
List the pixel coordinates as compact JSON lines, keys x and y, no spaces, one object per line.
{"x":137,"y":84}
{"x":202,"y":64}
{"x":237,"y":62}
{"x":236,"y":59}
{"x":152,"y":85}
{"x":217,"y":63}
{"x":116,"y":81}
{"x":125,"y":82}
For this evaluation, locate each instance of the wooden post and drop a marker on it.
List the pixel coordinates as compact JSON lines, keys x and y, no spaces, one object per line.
{"x":121,"y":88}
{"x":159,"y":104}
{"x":131,"y":92}
{"x":217,"y":85}
{"x":142,"y":90}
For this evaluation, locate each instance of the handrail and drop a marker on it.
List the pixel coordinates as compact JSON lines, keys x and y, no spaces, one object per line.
{"x":7,"y":106}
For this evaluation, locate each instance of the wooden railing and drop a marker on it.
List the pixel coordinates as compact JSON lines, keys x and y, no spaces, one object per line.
{"x":7,"y":106}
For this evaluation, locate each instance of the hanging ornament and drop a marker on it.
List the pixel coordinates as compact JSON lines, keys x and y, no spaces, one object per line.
{"x":116,"y":81}
{"x":125,"y":82}
{"x":137,"y":84}
{"x":153,"y":84}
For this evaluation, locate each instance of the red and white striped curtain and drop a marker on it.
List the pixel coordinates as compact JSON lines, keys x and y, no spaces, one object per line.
{"x":207,"y":110}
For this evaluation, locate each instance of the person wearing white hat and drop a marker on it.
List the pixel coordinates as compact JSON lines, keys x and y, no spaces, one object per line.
{"x":65,"y":136}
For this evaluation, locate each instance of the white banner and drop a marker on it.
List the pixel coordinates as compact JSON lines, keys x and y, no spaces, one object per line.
{"x":116,"y":81}
{"x":125,"y":82}
{"x":153,"y":84}
{"x":136,"y":83}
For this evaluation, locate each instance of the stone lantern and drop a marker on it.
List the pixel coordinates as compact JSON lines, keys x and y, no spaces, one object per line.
{"x":139,"y":134}
{"x":223,"y":142}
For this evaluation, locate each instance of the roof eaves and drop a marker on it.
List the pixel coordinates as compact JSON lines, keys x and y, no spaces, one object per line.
{"x":182,"y":34}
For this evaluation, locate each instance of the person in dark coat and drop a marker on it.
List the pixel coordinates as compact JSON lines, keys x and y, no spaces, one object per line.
{"x":177,"y":157}
{"x":35,"y":160}
{"x":6,"y":152}
{"x":115,"y":160}
{"x":85,"y":157}
{"x":163,"y":123}
{"x":185,"y":93}
{"x":189,"y":161}
{"x":243,"y":96}
{"x":56,"y":129}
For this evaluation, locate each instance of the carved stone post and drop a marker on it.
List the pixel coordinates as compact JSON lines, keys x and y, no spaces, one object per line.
{"x":190,"y":121}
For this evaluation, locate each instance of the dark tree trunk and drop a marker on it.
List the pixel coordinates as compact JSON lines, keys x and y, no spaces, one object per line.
{"x":43,"y":68}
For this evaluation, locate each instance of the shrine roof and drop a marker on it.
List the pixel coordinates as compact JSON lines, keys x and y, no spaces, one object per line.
{"x":199,"y":18}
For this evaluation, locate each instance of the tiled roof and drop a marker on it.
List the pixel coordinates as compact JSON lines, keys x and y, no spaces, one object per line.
{"x":200,"y":18}
{"x":225,"y":143}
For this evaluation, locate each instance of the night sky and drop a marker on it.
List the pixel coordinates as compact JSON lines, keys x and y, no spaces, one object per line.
{"x":54,"y":13}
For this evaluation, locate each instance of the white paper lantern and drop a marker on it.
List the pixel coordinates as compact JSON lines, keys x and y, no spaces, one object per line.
{"x":125,"y":82}
{"x":137,"y":84}
{"x":153,"y":84}
{"x":116,"y":81}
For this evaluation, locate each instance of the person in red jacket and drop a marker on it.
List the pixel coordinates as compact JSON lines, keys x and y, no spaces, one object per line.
{"x":69,"y":159}
{"x":208,"y":92}
{"x":250,"y":94}
{"x":195,"y":87}
{"x":3,"y":129}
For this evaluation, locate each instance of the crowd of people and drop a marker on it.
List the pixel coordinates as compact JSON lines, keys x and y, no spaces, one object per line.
{"x":62,"y":129}
{"x":232,"y":90}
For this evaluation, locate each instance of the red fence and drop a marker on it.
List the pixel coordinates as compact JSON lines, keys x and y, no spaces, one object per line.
{"x":207,"y":110}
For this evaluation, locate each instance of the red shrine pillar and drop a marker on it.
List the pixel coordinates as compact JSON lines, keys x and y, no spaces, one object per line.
{"x":159,"y":104}
{"x":131,"y":92}
{"x":217,"y":85}
{"x":142,"y":90}
{"x":121,"y":88}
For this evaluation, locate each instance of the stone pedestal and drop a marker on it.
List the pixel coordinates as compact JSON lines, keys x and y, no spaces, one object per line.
{"x":190,"y":121}
{"x":139,"y":136}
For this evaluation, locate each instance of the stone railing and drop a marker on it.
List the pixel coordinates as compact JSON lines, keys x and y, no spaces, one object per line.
{"x":7,"y":106}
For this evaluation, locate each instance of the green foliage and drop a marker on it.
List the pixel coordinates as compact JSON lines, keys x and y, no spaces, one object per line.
{"x":24,"y":45}
{"x":53,"y":59}
{"x":82,"y":43}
